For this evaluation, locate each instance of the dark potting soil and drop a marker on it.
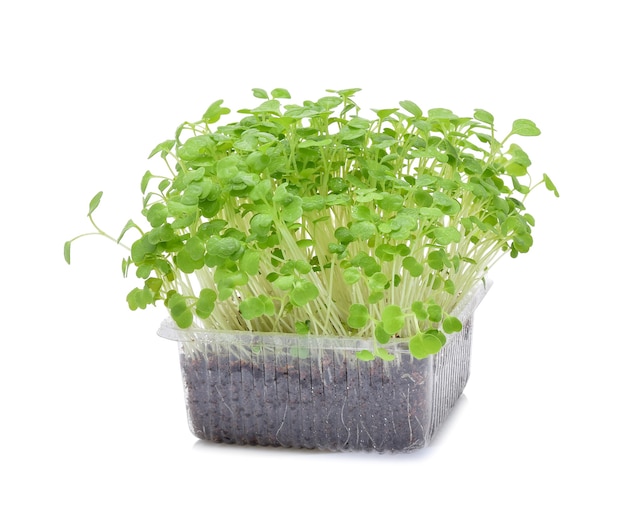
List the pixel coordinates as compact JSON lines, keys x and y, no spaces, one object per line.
{"x":330,"y":402}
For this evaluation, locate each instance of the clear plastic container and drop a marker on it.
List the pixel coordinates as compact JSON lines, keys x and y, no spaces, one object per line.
{"x":298,"y":391}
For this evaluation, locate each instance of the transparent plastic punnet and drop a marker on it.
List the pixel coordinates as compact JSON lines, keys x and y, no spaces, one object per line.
{"x":276,"y":389}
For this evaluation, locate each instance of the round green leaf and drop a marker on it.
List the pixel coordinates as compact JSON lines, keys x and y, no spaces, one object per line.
{"x":412,"y":108}
{"x":419,"y":309}
{"x":435,"y":313}
{"x":452,"y":325}
{"x":357,"y":316}
{"x":384,"y":354}
{"x":363,"y":230}
{"x":446,"y":235}
{"x":351,"y":275}
{"x":392,"y":319}
{"x":377,"y":281}
{"x":260,"y":93}
{"x":423,"y":345}
{"x":365,"y":355}
{"x":250,"y":262}
{"x":381,"y":335}
{"x":205,"y":303}
{"x":280,"y":94}
{"x":483,"y":116}
{"x":414,"y":268}
{"x":525,"y":127}
{"x":303,"y":292}
{"x":251,"y":308}
{"x":447,"y":204}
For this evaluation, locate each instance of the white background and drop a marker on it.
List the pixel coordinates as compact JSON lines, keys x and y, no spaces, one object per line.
{"x":91,"y":399}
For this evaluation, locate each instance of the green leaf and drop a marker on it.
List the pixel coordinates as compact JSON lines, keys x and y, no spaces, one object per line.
{"x":164,"y":148}
{"x":195,"y":248}
{"x":94,"y":203}
{"x":357,"y":316}
{"x":363,"y":230}
{"x":250,"y":262}
{"x":268,"y":305}
{"x":378,"y":281}
{"x":157,"y":214}
{"x":381,"y":335}
{"x":435,"y":312}
{"x":292,"y":212}
{"x":525,"y":127}
{"x":441,"y":114}
{"x":449,"y":287}
{"x":483,"y":116}
{"x":550,"y":185}
{"x":351,"y":275}
{"x":414,"y":268}
{"x":447,"y":204}
{"x":523,"y":242}
{"x":345,"y":93}
{"x":145,"y":180}
{"x":329,"y":102}
{"x":375,"y":297}
{"x":303,"y":292}
{"x":384,"y":354}
{"x":446,"y":235}
{"x":272,"y":106}
{"x":66,"y":251}
{"x":227,"y":168}
{"x":281,"y":94}
{"x":186,"y":262}
{"x":305,"y":243}
{"x":291,"y":204}
{"x":386,"y":252}
{"x":251,"y":308}
{"x":384,"y":113}
{"x":197,"y":148}
{"x":261,"y":224}
{"x":214,"y":112}
{"x":391,"y":202}
{"x":302,"y":266}
{"x":343,"y":235}
{"x":393,"y":319}
{"x":284,"y":282}
{"x":419,"y":309}
{"x":423,"y":345}
{"x":184,"y":320}
{"x":206,"y":303}
{"x":367,"y":263}
{"x":516,"y":170}
{"x":365,"y":355}
{"x":452,"y":324}
{"x":303,"y":328}
{"x":179,"y":311}
{"x":315,"y":143}
{"x":430,"y":212}
{"x":135,"y":300}
{"x":412,"y":108}
{"x":437,"y":260}
{"x":130,"y":224}
{"x":141,"y":248}
{"x":260,"y":93}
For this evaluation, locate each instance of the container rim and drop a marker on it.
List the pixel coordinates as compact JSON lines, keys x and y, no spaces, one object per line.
{"x":170,"y":331}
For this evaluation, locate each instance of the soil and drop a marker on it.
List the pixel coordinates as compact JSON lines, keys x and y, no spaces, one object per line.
{"x":330,"y":401}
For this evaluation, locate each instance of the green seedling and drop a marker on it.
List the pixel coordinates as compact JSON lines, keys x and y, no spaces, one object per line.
{"x":316,"y":218}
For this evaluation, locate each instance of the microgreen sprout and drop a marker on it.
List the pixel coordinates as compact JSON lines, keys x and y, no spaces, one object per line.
{"x":315,"y":218}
